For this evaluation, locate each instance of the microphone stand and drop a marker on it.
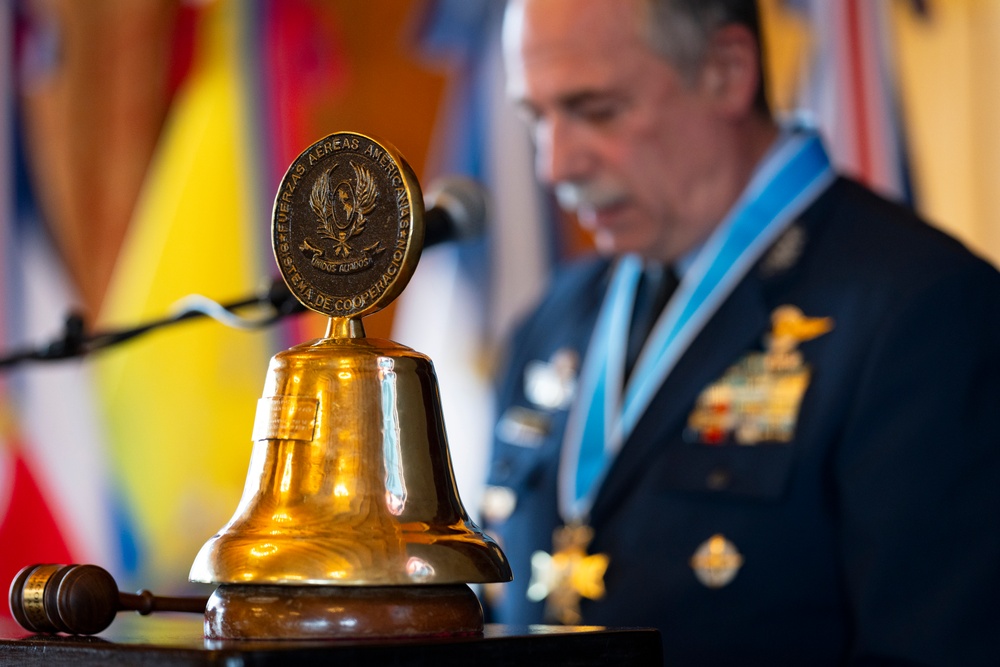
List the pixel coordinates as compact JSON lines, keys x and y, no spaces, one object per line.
{"x":76,"y":342}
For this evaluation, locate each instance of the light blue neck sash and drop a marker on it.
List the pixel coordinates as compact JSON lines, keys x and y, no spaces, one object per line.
{"x":790,"y":177}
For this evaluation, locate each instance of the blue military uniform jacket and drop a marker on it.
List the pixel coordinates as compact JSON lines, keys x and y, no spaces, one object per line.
{"x":870,"y":536}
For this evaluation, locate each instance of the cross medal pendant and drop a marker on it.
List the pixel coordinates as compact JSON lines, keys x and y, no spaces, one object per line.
{"x":568,"y":574}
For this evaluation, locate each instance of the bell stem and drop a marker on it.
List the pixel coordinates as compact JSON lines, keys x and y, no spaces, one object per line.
{"x":345,"y":327}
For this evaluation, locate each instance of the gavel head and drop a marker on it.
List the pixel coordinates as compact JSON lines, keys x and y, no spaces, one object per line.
{"x":75,"y":599}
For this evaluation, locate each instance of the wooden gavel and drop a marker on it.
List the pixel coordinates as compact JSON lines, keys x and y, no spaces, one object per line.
{"x":81,"y":599}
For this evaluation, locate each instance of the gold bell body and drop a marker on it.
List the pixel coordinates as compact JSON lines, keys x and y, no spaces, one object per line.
{"x":350,"y":479}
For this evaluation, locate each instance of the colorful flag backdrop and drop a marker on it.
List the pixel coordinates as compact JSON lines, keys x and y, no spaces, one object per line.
{"x":465,"y":297}
{"x":905,"y":91}
{"x":27,"y":526}
{"x":54,"y":492}
{"x":852,"y":94}
{"x":179,"y":404}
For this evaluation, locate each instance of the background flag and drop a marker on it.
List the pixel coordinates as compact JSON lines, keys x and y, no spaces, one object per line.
{"x":464,"y":298}
{"x":54,"y":493}
{"x":179,"y":405}
{"x":851,"y":93}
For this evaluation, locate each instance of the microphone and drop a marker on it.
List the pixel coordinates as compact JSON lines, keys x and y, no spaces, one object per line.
{"x":455,"y":210}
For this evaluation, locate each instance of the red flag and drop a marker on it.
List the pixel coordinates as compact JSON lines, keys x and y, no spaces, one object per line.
{"x":852,"y":94}
{"x":29,"y":533}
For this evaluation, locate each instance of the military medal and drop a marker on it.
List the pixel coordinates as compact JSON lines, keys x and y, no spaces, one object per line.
{"x":758,"y":398}
{"x":568,"y":574}
{"x":716,"y":562}
{"x":551,"y":385}
{"x":498,"y":503}
{"x":522,"y":426}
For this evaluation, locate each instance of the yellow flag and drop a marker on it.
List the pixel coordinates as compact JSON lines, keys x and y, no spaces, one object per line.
{"x":180,"y":402}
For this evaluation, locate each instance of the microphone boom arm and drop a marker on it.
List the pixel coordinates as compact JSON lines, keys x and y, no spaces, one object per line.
{"x":74,"y":341}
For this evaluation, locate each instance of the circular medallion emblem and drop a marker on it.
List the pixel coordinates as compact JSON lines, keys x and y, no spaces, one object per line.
{"x":348,"y":225}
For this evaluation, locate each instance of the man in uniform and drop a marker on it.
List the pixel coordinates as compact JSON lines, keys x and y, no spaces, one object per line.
{"x":796,"y":459}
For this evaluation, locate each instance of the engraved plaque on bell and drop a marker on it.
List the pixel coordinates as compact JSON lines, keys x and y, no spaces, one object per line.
{"x":350,"y":524}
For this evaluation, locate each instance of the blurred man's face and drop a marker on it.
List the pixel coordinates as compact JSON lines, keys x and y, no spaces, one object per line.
{"x":625,"y":141}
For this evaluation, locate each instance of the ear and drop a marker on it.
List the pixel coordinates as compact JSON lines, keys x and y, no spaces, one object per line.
{"x":731,"y":74}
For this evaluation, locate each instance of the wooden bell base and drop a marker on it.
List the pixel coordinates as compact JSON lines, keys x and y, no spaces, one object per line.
{"x":341,"y":612}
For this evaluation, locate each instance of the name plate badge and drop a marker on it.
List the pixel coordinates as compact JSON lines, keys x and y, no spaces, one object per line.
{"x":285,"y":418}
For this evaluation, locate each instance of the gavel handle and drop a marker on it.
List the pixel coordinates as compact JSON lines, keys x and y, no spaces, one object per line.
{"x":145,"y":603}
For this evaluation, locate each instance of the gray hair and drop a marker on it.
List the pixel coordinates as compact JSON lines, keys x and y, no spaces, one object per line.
{"x":679,"y":30}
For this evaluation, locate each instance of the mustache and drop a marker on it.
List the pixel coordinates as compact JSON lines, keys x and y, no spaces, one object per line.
{"x":587,"y":195}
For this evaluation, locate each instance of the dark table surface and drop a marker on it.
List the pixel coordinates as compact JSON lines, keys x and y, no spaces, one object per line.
{"x":177,"y":639}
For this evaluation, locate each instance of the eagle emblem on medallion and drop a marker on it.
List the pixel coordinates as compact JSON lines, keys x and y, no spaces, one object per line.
{"x":341,"y":211}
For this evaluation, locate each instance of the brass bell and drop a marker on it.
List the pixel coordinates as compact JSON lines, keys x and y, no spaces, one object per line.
{"x":350,"y":524}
